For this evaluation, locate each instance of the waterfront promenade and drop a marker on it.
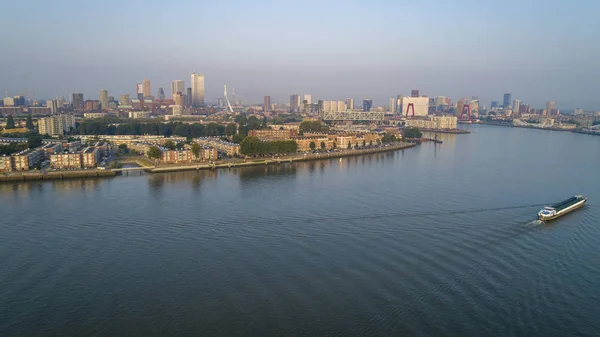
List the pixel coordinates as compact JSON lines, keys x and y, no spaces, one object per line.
{"x":53,"y":175}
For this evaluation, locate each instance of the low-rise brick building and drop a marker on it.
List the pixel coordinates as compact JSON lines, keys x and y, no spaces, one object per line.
{"x":91,"y":157}
{"x":275,"y":134}
{"x":66,"y":160}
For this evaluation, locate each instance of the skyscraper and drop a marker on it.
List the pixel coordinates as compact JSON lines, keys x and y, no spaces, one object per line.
{"x":140,"y":91}
{"x":392,"y":105}
{"x":550,"y":107}
{"x":146,"y":88}
{"x":177,"y":86}
{"x":267,"y":104}
{"x":188,"y":97}
{"x":125,"y":100}
{"x":494,"y":104}
{"x":104,"y":99}
{"x":295,"y":103}
{"x":414,"y":93}
{"x":367,"y":105}
{"x":308,"y":98}
{"x":349,"y":103}
{"x":516,"y":107}
{"x":506,"y":101}
{"x":77,"y":102}
{"x":197,"y":90}
{"x":179,"y":99}
{"x":161,"y":93}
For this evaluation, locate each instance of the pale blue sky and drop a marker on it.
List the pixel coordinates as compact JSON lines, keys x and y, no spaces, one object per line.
{"x":538,"y":50}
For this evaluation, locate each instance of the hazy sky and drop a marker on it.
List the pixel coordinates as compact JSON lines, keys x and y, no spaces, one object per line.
{"x":538,"y":50}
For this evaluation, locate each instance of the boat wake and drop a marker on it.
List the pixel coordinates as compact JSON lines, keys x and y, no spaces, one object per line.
{"x":535,"y":223}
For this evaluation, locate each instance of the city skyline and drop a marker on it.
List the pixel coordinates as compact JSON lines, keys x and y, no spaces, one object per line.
{"x":445,"y":57}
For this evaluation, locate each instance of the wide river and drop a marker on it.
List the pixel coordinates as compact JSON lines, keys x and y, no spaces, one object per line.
{"x":436,"y":240}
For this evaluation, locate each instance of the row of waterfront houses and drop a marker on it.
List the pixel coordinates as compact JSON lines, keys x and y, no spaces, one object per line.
{"x":69,"y":156}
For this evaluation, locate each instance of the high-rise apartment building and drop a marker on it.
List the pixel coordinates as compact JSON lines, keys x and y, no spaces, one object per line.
{"x":308,"y":98}
{"x":494,"y":104}
{"x":367,"y":105}
{"x":125,"y":100}
{"x":77,"y":102}
{"x":140,"y":91}
{"x":506,"y":101}
{"x":295,"y":103}
{"x":56,"y":125}
{"x":146,"y":88}
{"x":53,"y":105}
{"x":267,"y":104}
{"x":349,"y":103}
{"x":197,"y":90}
{"x":104,"y":99}
{"x":177,"y":86}
{"x":550,"y":106}
{"x":392,"y":105}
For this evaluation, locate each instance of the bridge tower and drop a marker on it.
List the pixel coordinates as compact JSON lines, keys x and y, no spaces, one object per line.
{"x":462,"y":113}
{"x":410,"y":105}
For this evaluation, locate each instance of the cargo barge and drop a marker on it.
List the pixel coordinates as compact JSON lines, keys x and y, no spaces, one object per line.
{"x":561,"y":208}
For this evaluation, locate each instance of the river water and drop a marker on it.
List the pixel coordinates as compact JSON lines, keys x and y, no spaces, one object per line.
{"x":430,"y":241}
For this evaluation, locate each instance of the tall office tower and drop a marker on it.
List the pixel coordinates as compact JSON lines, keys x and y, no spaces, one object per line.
{"x":177,"y":86}
{"x":308,"y":98}
{"x":341,"y":106}
{"x":179,"y":99}
{"x":197,"y":90}
{"x":392,"y":105}
{"x":494,"y":104}
{"x":77,"y":102}
{"x":349,"y":104}
{"x":267,"y":104}
{"x":327,"y":106}
{"x":125,"y":100}
{"x":104,"y":99}
{"x":549,"y":107}
{"x":188,"y":97}
{"x":146,"y":88}
{"x":161,"y":93}
{"x":414,"y":93}
{"x":295,"y":103}
{"x":516,"y":107}
{"x":140,"y":91}
{"x":506,"y":101}
{"x":367,"y":105}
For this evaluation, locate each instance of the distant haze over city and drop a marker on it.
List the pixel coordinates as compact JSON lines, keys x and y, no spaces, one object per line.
{"x":537,"y":50}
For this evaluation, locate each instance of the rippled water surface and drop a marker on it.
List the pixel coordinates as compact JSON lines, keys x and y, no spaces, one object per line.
{"x":435,"y":240}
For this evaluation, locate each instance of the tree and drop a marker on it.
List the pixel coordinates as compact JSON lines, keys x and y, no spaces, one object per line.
{"x":334,"y":145}
{"x":231,"y":129}
{"x":169,"y":144}
{"x":153,"y":152}
{"x":412,"y":132}
{"x":370,"y":143}
{"x":196,"y":150}
{"x":364,"y":143}
{"x":349,"y":145}
{"x":34,"y":140}
{"x":179,"y":145}
{"x":322,"y":145}
{"x":312,"y":146}
{"x":123,"y":148}
{"x":10,"y":122}
{"x":237,"y":138}
{"x":312,"y":126}
{"x":29,"y":123}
